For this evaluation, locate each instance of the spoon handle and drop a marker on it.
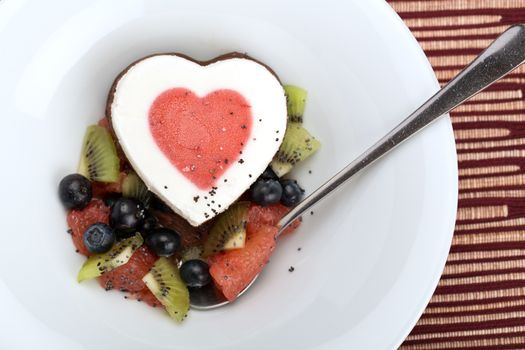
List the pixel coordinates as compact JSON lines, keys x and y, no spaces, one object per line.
{"x":504,"y":55}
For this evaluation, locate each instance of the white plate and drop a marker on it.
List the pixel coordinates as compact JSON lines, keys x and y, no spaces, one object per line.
{"x":371,"y":255}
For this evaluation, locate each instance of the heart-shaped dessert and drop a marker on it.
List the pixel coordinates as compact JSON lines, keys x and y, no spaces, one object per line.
{"x":198,"y":133}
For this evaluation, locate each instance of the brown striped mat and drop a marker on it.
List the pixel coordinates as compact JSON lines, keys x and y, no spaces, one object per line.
{"x":480,"y":300}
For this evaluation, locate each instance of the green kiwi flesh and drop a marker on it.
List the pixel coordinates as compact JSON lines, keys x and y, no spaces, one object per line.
{"x":229,"y":231}
{"x":165,"y":283}
{"x":295,"y":101}
{"x":99,"y":160}
{"x":133,"y":187}
{"x":192,"y":253}
{"x":298,"y":144}
{"x":117,"y":256}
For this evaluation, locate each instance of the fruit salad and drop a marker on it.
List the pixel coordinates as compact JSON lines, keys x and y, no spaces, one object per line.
{"x":138,"y":237}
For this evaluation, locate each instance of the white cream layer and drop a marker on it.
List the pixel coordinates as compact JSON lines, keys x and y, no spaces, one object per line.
{"x":146,"y":80}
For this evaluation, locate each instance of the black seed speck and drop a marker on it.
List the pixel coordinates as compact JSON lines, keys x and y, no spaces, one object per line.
{"x":249,"y":175}
{"x":70,"y":231}
{"x":165,"y":187}
{"x":243,"y":126}
{"x":260,"y":120}
{"x":291,"y":269}
{"x":276,"y":139}
{"x":241,"y":161}
{"x":225,"y":180}
{"x":312,"y":212}
{"x":299,"y":249}
{"x":196,"y":199}
{"x":309,"y":171}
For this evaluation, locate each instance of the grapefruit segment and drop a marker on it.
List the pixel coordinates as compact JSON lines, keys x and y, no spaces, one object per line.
{"x":233,"y":270}
{"x":146,"y":296}
{"x":79,"y":220}
{"x":270,"y":216}
{"x":128,"y":277}
{"x":102,"y":189}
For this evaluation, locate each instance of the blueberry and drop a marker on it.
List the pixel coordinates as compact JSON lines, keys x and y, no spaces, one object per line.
{"x":157,"y":204}
{"x":75,"y":191}
{"x":150,"y":223}
{"x":112,"y":198}
{"x":195,"y":273}
{"x":127,"y":216}
{"x":269,"y":174}
{"x":163,"y":241}
{"x":99,"y":238}
{"x":292,"y":193}
{"x":266,"y":192}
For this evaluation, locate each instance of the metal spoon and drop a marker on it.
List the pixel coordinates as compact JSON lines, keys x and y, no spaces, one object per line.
{"x":504,"y":55}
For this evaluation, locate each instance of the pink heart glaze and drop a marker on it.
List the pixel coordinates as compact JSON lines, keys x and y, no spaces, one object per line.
{"x":202,"y":137}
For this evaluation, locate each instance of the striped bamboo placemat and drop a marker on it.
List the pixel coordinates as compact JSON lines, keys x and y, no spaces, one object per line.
{"x":480,"y":300}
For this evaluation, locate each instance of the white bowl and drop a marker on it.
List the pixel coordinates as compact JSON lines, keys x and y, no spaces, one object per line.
{"x":372,"y":253}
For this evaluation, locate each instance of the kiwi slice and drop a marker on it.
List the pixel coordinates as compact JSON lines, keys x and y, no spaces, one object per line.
{"x":297,"y":145}
{"x":99,"y":160}
{"x":229,"y":231}
{"x":192,"y":253}
{"x":133,"y":187}
{"x":295,"y":101}
{"x":165,"y":283}
{"x":118,"y":255}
